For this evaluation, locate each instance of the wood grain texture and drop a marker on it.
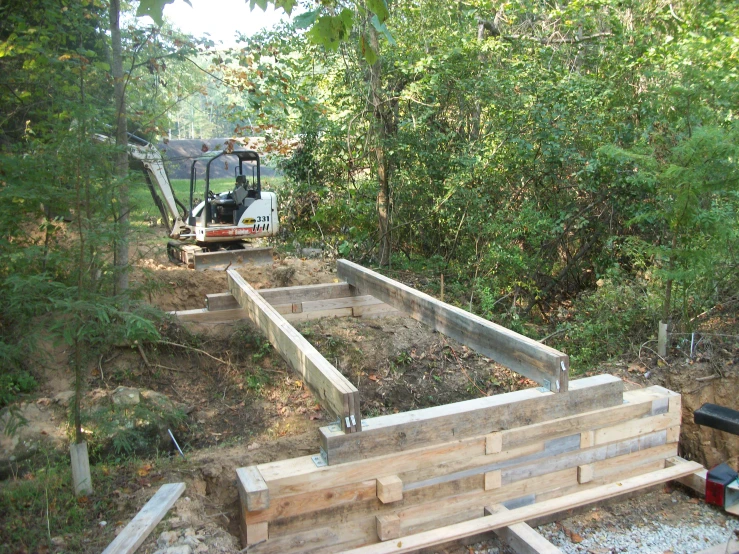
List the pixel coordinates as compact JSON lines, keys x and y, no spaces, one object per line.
{"x":522,"y":538}
{"x":418,"y":428}
{"x":203,"y":315}
{"x":517,"y":352}
{"x":220,"y":301}
{"x":300,"y":475}
{"x":253,"y":490}
{"x":470,"y":528}
{"x":335,"y":392}
{"x":307,"y":293}
{"x":135,"y":533}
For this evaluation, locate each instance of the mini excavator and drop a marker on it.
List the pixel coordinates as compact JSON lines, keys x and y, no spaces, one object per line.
{"x":212,"y":233}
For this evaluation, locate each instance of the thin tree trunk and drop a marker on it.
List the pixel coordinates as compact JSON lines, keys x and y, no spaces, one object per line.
{"x":121,"y":140}
{"x":383,"y":165}
{"x":668,"y":286}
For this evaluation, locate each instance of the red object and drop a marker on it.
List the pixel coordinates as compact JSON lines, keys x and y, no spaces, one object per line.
{"x":717,"y":480}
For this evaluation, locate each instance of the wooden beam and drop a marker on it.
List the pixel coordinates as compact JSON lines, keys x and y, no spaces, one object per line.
{"x":419,"y":428}
{"x":252,"y":489}
{"x":135,"y":533}
{"x":337,"y":394}
{"x":203,"y":315}
{"x":496,"y":521}
{"x":307,"y":293}
{"x":695,"y":481}
{"x":521,"y":354}
{"x":221,"y":301}
{"x":520,"y":537}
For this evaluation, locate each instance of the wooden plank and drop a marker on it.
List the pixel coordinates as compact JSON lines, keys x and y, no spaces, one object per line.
{"x":428,"y":516}
{"x":517,"y":352}
{"x":306,"y":503}
{"x":418,"y":428}
{"x":375,"y":310}
{"x":522,"y":538}
{"x":695,"y":481}
{"x":81,"y":478}
{"x":144,"y":522}
{"x":327,"y":305}
{"x":323,"y":378}
{"x":252,"y":489}
{"x":221,"y":301}
{"x":307,"y":293}
{"x":319,"y":314}
{"x":496,"y":521}
{"x":204,"y":315}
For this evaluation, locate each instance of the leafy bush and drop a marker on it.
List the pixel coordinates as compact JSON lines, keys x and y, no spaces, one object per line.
{"x":616,"y":317}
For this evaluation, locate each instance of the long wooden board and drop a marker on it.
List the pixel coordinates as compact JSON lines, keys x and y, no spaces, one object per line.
{"x":440,"y":424}
{"x":307,"y":293}
{"x":204,"y":315}
{"x":144,"y":522}
{"x":489,"y":523}
{"x":524,"y":355}
{"x":337,"y":394}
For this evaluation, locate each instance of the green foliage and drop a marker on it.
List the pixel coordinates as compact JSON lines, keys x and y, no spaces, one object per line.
{"x":609,"y":322}
{"x":117,"y":433}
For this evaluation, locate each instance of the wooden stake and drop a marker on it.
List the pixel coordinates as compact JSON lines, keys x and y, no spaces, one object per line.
{"x":662,"y":339}
{"x":81,"y":478}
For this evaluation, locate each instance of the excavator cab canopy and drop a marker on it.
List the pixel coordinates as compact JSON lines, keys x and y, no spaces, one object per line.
{"x":227,"y":207}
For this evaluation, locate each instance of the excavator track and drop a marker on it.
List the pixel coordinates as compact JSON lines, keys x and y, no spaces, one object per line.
{"x":199,"y":259}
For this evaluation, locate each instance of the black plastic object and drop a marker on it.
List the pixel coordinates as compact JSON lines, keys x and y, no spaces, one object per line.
{"x":718,"y":417}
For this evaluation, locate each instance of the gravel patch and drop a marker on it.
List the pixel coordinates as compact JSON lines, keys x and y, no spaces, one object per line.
{"x":663,"y":522}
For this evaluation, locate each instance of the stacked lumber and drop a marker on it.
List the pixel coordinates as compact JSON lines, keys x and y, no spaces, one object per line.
{"x":549,"y":454}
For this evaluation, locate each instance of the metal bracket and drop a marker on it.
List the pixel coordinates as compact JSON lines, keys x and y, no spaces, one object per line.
{"x":354,"y":421}
{"x":335,"y":427}
{"x":563,"y":366}
{"x":547,"y":386}
{"x":320,"y":459}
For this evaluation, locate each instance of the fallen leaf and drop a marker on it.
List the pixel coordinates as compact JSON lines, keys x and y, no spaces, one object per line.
{"x":574,"y":537}
{"x":144,"y":470}
{"x":374,"y":377}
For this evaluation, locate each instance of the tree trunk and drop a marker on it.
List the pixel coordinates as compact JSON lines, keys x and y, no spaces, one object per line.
{"x":121,"y":141}
{"x":666,"y":307}
{"x":383,"y":165}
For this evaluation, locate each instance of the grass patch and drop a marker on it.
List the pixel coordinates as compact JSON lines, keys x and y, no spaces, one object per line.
{"x":42,"y":505}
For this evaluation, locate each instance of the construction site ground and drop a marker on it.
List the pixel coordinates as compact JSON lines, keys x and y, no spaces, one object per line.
{"x":246,"y":407}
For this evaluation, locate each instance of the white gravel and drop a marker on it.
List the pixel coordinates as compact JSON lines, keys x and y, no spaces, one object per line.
{"x":655,"y":523}
{"x":644,"y":539}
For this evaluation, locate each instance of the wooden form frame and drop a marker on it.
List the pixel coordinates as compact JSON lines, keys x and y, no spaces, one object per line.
{"x":541,"y":363}
{"x":366,"y":293}
{"x":401,"y":494}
